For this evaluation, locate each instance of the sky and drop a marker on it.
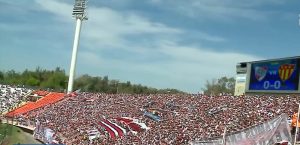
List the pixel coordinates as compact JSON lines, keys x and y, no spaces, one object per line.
{"x":158,"y":43}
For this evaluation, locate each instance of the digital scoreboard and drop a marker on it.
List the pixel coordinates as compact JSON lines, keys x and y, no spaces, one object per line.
{"x":276,"y":75}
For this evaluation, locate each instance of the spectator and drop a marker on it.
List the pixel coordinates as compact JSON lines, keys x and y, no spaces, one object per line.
{"x":183,"y":117}
{"x":10,"y":96}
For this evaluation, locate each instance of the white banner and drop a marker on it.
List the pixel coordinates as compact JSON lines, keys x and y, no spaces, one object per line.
{"x":268,"y":133}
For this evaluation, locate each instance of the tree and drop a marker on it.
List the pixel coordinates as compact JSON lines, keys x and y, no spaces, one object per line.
{"x":113,"y":86}
{"x":13,"y":77}
{"x":1,"y":76}
{"x":32,"y":82}
{"x":218,"y":86}
{"x":56,"y":79}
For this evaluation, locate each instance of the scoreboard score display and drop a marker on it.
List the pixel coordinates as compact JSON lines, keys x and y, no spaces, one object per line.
{"x":280,"y":75}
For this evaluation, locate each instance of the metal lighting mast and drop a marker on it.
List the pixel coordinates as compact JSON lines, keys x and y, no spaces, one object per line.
{"x":79,"y":14}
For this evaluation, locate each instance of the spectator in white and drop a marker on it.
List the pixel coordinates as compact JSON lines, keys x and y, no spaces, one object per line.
{"x":10,"y":96}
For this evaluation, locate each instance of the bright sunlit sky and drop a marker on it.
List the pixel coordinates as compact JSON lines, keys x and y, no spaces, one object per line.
{"x":159,"y":43}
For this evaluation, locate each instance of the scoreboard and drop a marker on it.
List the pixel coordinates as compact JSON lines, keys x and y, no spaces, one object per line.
{"x":278,"y":76}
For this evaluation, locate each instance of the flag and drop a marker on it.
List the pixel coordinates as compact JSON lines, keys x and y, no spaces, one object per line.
{"x":133,"y":124}
{"x":152,"y":116}
{"x":118,"y":129}
{"x":93,"y":134}
{"x":111,"y":132}
{"x":113,"y":129}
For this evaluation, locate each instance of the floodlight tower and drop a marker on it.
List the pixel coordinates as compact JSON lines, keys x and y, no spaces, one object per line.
{"x":79,"y":13}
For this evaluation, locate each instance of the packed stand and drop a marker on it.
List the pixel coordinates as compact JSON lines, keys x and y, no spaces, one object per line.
{"x":182,"y":118}
{"x":10,"y":96}
{"x":29,"y":106}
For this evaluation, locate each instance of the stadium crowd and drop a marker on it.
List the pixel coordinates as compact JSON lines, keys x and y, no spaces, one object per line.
{"x":10,"y":96}
{"x":183,"y":117}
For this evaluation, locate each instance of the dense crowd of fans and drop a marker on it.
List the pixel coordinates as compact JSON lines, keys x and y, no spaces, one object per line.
{"x":183,"y":117}
{"x":10,"y":96}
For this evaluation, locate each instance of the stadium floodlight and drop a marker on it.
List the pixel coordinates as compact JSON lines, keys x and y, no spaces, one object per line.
{"x":79,"y":13}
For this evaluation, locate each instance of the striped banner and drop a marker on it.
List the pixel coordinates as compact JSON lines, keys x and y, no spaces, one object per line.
{"x":112,"y":133}
{"x":113,"y":129}
{"x":268,"y":133}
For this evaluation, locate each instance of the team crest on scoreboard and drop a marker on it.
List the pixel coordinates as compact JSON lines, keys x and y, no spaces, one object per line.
{"x":260,"y":72}
{"x":286,"y":71}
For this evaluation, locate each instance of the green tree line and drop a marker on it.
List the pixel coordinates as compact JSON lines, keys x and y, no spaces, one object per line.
{"x":58,"y":81}
{"x":217,"y":86}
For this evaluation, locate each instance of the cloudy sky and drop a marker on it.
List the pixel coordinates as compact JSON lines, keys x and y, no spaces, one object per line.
{"x":159,"y":43}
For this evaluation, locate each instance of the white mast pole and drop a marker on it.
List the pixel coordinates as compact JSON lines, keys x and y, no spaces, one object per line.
{"x":74,"y":55}
{"x":79,"y":14}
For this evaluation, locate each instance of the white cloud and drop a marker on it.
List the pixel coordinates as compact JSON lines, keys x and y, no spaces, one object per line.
{"x":186,"y":68}
{"x":221,"y":10}
{"x":208,"y":9}
{"x":208,"y":37}
{"x":106,"y":27}
{"x":183,"y":67}
{"x":192,"y":65}
{"x":109,"y":28}
{"x":90,"y":58}
{"x":64,"y":10}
